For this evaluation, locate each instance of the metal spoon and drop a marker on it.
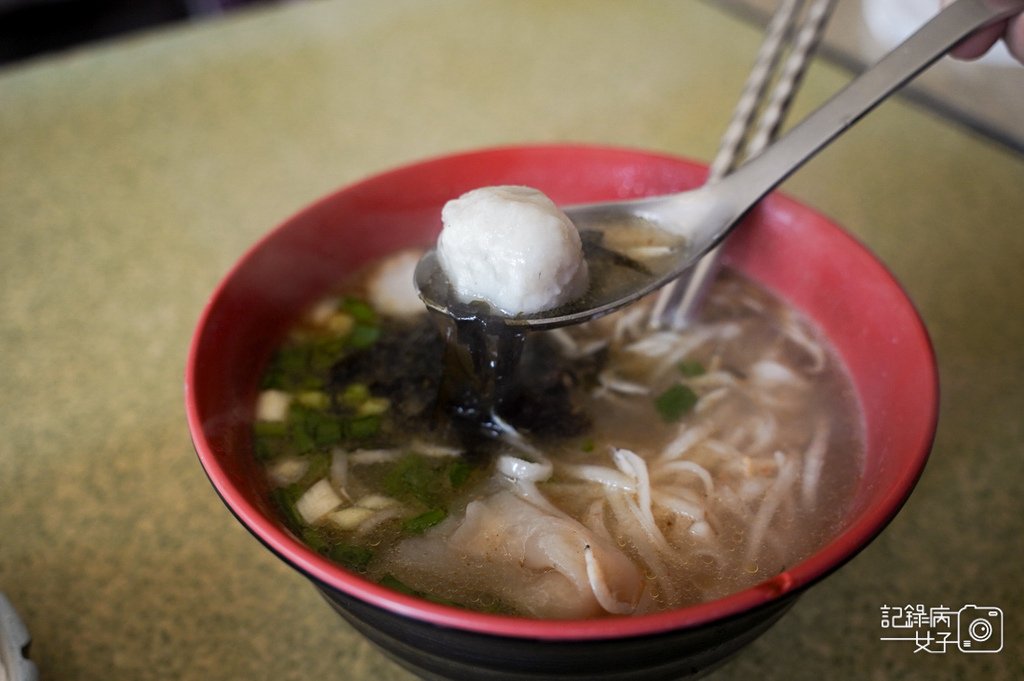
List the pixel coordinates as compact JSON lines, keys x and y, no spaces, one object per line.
{"x":693,"y":222}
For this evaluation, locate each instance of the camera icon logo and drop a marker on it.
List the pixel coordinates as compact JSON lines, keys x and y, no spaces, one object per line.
{"x":980,"y":629}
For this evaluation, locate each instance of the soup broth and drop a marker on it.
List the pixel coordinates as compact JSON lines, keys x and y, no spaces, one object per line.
{"x":627,"y":470}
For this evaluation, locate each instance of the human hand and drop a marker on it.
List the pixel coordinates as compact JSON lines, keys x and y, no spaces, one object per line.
{"x":1010,"y":30}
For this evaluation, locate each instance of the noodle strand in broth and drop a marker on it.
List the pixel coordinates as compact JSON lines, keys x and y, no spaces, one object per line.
{"x":625,"y":470}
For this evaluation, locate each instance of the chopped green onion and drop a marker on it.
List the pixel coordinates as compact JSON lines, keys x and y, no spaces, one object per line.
{"x":354,"y":395}
{"x":420,"y":523}
{"x":675,"y":402}
{"x":315,"y":540}
{"x":411,"y":478}
{"x":587,"y":445}
{"x":303,"y":365}
{"x":312,"y":429}
{"x":302,"y":440}
{"x":395,"y":584}
{"x":319,"y":467}
{"x":374,"y":406}
{"x":363,"y":336}
{"x":327,"y":432}
{"x":691,"y":368}
{"x":314,"y":399}
{"x":360,"y":310}
{"x":339,"y":324}
{"x":322,"y":356}
{"x":352,"y":557}
{"x":416,"y":479}
{"x":270,"y":428}
{"x":264,"y":449}
{"x":286,"y":364}
{"x":363,"y":427}
{"x":285,"y":498}
{"x":458,"y":473}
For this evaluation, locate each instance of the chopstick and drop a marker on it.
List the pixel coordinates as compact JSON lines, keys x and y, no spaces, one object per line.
{"x":796,"y":26}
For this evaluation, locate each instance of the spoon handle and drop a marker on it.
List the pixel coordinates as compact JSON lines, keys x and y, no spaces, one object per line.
{"x":763,"y":105}
{"x":758,"y":176}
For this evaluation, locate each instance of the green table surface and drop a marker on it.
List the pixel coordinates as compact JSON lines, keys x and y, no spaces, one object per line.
{"x":134,"y":173}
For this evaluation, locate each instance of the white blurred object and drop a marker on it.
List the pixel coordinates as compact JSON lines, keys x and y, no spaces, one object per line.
{"x":890,"y":22}
{"x":391,"y":286}
{"x":986,"y":94}
{"x":14,"y":642}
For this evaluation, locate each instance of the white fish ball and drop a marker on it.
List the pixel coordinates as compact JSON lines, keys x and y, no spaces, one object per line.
{"x":391,"y":286}
{"x":512,"y":247}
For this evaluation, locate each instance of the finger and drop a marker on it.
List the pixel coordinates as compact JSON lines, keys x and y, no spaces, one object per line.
{"x":979,"y":42}
{"x":1014,"y":36}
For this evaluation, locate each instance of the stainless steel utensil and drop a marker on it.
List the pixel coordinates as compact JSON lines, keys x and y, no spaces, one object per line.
{"x":701,"y":218}
{"x":796,"y":27}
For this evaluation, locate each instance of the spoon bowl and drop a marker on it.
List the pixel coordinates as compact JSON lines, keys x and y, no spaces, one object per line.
{"x":696,"y":221}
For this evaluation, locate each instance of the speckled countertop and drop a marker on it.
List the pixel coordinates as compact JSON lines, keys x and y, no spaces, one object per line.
{"x":133,"y":174}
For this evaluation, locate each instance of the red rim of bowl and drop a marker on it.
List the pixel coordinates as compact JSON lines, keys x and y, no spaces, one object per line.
{"x":856,"y":536}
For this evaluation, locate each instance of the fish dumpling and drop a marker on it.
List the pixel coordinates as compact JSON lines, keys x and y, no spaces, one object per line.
{"x":541,"y":564}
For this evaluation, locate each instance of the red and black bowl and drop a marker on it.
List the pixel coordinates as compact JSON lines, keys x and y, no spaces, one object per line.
{"x":791,"y":250}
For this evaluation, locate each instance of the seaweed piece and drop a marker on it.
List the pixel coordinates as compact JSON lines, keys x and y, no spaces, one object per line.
{"x":403,"y":364}
{"x":540,"y":399}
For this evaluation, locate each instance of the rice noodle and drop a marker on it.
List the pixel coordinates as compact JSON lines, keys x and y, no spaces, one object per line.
{"x":601,"y":475}
{"x":599,"y":585}
{"x":814,"y":460}
{"x":710,"y":399}
{"x":520,"y":470}
{"x":512,"y":437}
{"x":649,"y":552}
{"x":765,"y":430}
{"x":699,"y":502}
{"x":573,"y":349}
{"x":701,"y":529}
{"x":639,"y":504}
{"x":594,"y":520}
{"x":678,"y":506}
{"x":654,"y":345}
{"x":635,"y":467}
{"x":364,"y":457}
{"x":570,"y":348}
{"x":616,"y":384}
{"x":379,"y":518}
{"x":338,"y":473}
{"x":796,"y":333}
{"x":772,"y":374}
{"x":435,"y":450}
{"x":605,"y":395}
{"x":523,"y":477}
{"x":772,"y":498}
{"x":689,"y":342}
{"x":690,"y":467}
{"x":713,"y":379}
{"x":629,"y":323}
{"x":686,"y":439}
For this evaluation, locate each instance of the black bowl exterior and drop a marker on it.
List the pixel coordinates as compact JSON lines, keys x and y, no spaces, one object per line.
{"x":446,"y":654}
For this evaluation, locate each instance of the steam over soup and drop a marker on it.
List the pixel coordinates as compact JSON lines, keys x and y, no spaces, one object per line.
{"x":630,"y":470}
